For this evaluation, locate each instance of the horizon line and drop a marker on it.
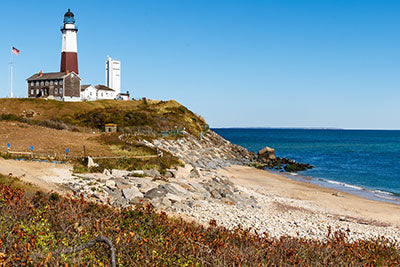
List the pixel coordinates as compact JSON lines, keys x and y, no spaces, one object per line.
{"x":308,"y":128}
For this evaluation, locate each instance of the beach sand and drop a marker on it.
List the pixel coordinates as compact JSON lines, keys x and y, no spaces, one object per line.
{"x":261,"y":181}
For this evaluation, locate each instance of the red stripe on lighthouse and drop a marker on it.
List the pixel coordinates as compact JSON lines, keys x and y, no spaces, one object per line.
{"x":69,"y":62}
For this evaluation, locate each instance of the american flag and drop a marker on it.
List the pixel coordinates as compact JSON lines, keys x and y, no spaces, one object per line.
{"x":15,"y":50}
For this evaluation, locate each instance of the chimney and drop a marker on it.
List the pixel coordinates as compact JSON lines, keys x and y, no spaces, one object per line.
{"x":40,"y":73}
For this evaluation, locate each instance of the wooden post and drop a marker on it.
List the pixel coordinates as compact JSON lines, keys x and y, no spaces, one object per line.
{"x":84,"y":151}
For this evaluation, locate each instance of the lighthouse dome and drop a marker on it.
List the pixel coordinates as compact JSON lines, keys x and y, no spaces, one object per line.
{"x":69,"y":17}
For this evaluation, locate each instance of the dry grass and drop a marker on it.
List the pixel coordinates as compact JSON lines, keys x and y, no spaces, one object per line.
{"x":21,"y":136}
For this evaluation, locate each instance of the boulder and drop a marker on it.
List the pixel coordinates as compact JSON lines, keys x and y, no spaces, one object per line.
{"x":157,"y":192}
{"x":131,"y":193}
{"x":106,"y":172}
{"x":143,"y":184}
{"x":91,"y":163}
{"x":120,"y":173}
{"x":110,"y":184}
{"x":267,"y":153}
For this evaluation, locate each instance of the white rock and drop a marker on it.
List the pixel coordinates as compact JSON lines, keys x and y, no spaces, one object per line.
{"x":110,"y":184}
{"x":120,"y":173}
{"x":131,"y":193}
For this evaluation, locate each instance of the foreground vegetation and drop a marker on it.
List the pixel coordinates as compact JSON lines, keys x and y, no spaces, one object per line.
{"x":36,"y":229}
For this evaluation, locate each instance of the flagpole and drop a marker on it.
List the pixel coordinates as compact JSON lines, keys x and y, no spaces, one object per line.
{"x":11,"y":74}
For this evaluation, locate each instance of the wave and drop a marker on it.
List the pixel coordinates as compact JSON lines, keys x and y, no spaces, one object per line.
{"x":376,"y":194}
{"x":343,"y":184}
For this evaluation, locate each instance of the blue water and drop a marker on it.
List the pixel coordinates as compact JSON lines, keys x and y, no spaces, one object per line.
{"x":367,"y":161}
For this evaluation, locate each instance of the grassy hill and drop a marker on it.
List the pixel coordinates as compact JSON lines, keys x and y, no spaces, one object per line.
{"x":36,"y":122}
{"x":129,"y":115}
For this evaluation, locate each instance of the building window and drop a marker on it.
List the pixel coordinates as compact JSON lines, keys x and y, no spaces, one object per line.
{"x":37,"y":83}
{"x":60,"y":91}
{"x":51,"y":82}
{"x":91,"y":93}
{"x":56,"y":90}
{"x":37,"y":91}
{"x":56,"y":82}
{"x":41,"y":83}
{"x":61,"y":82}
{"x":101,"y":93}
{"x":47,"y":82}
{"x":32,"y":91}
{"x":32,"y":83}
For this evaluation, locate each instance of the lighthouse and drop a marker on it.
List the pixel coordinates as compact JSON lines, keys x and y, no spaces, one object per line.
{"x":69,"y":52}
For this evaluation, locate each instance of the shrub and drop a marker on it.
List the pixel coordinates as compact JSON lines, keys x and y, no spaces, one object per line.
{"x":34,"y":229}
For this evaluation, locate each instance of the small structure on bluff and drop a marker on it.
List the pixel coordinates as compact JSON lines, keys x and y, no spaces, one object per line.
{"x":110,"y":128}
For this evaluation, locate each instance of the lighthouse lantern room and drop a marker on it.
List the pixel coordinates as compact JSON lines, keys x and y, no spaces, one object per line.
{"x":69,"y":52}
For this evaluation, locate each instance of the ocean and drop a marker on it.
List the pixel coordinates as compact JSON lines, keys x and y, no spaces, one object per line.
{"x":361,"y":162}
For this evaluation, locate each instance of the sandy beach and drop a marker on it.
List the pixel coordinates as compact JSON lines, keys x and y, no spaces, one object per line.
{"x":326,"y":199}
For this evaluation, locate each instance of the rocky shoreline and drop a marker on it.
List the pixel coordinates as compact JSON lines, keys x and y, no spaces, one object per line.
{"x":199,"y":191}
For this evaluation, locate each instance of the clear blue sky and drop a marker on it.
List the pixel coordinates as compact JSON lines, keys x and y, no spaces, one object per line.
{"x":238,"y":63}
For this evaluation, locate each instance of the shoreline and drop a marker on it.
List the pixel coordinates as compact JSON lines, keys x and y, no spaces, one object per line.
{"x":367,"y":193}
{"x":325,"y":198}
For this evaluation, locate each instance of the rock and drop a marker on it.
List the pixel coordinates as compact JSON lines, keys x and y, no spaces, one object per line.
{"x":157,"y":192}
{"x":152,"y":173}
{"x":215,"y":194}
{"x":144,"y":184}
{"x":131,"y":193}
{"x":120,"y":173}
{"x":174,"y":198}
{"x":110,"y":184}
{"x":171,"y":172}
{"x":195,"y":173}
{"x":337,"y":194}
{"x":176,"y":189}
{"x":106,"y":172}
{"x":168,"y":174}
{"x":267,"y":153}
{"x":91,"y":163}
{"x":161,"y":203}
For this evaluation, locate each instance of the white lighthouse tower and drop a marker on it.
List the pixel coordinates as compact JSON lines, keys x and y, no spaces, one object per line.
{"x":69,"y":52}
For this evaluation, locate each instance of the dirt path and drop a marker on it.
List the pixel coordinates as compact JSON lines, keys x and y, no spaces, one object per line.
{"x":47,"y":176}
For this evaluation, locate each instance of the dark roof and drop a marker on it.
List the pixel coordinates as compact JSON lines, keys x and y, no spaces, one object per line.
{"x":103,"y":87}
{"x":49,"y":76}
{"x":69,"y":14}
{"x":83,"y":87}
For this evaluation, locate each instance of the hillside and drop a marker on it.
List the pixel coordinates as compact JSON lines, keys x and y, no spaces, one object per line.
{"x":37,"y":123}
{"x":130,"y":116}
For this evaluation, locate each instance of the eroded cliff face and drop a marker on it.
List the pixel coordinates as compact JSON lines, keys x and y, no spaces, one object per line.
{"x":211,"y":152}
